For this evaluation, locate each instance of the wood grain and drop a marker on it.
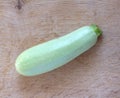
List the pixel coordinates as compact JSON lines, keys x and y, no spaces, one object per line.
{"x":94,"y":74}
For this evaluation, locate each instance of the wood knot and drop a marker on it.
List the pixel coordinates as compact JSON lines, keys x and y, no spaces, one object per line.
{"x":19,"y":4}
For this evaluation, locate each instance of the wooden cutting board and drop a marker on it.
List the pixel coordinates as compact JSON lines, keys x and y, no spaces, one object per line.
{"x":94,"y":74}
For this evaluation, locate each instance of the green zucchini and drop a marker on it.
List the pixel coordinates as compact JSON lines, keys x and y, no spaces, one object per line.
{"x":50,"y":55}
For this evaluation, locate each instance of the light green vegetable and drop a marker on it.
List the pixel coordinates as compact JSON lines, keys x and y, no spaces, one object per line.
{"x":57,"y":52}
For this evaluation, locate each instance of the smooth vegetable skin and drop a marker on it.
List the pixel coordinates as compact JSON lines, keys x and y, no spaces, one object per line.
{"x":57,"y":52}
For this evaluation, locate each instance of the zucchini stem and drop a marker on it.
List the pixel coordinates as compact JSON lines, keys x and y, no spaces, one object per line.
{"x":96,"y":29}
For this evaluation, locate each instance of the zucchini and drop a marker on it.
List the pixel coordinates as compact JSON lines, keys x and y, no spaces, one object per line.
{"x":50,"y":55}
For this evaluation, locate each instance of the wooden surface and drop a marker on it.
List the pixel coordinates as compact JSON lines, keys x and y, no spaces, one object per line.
{"x":94,"y":74}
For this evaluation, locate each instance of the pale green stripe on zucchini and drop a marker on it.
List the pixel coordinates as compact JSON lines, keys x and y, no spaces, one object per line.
{"x":57,"y":52}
